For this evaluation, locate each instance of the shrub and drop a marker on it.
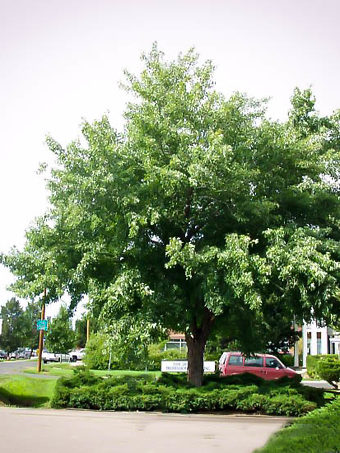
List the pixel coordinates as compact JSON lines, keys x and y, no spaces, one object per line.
{"x":328,"y":368}
{"x":171,"y":393}
{"x":312,"y":363}
{"x":97,"y":355}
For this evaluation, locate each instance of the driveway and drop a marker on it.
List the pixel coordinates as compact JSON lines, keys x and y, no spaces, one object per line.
{"x":38,"y":431}
{"x":318,"y":384}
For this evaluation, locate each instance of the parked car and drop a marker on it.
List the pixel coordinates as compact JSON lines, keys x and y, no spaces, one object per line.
{"x":23,"y":353}
{"x":3,"y":354}
{"x":265,"y":366}
{"x":54,"y":356}
{"x":77,"y":354}
{"x":50,"y":356}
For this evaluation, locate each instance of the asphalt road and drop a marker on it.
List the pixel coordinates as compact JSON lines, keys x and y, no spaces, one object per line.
{"x":16,"y":366}
{"x":55,"y":431}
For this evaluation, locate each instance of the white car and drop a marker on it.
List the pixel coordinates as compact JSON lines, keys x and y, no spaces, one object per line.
{"x":77,"y":354}
{"x":54,"y":357}
{"x":49,"y":356}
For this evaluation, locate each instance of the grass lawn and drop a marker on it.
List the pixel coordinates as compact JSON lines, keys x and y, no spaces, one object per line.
{"x":66,"y":370}
{"x":26,"y":391}
{"x":317,"y":432}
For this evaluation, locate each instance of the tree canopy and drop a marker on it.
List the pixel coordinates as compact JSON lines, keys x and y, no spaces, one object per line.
{"x":200,"y":215}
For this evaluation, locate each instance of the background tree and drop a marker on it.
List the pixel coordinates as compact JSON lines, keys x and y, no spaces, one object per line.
{"x":196,"y":217}
{"x":60,"y":337}
{"x":32,"y":314}
{"x":13,"y":326}
{"x":81,"y":329}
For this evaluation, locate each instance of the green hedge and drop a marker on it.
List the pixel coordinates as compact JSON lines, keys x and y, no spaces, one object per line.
{"x":317,"y":432}
{"x":312,"y":364}
{"x":328,"y":368}
{"x":170,"y":393}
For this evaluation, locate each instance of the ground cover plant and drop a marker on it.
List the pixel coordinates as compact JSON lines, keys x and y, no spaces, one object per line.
{"x":26,"y":391}
{"x":317,"y":432}
{"x":172,"y":393}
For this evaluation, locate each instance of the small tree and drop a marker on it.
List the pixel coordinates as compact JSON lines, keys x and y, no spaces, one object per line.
{"x":60,"y":337}
{"x":128,"y":340}
{"x":97,"y":353}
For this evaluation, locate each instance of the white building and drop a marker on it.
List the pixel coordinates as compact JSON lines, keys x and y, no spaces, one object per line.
{"x":318,"y":339}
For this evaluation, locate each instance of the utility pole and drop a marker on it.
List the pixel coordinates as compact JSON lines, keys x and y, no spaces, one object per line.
{"x":87,"y":330}
{"x":41,"y":333}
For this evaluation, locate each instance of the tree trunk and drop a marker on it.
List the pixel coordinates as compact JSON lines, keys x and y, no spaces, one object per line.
{"x":195,"y":359}
{"x":196,"y":341}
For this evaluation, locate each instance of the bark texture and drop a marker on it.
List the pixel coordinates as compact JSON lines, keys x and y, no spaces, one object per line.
{"x":196,"y":341}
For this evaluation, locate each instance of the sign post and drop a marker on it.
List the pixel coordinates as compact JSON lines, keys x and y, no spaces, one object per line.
{"x":42,"y":324}
{"x":41,"y":331}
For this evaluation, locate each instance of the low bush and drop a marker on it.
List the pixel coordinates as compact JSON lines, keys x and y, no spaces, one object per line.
{"x":172,"y":393}
{"x":328,"y":368}
{"x":312,"y":364}
{"x":317,"y":432}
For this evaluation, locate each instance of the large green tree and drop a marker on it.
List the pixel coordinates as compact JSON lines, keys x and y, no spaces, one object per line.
{"x":197,"y":216}
{"x":13,"y":326}
{"x":32,"y":314}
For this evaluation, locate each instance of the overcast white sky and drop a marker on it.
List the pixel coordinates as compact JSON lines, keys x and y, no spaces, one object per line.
{"x":61,"y":61}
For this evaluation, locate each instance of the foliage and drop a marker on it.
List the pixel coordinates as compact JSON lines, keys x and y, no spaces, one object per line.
{"x":32,"y":314}
{"x":80,"y":331}
{"x":13,"y":326}
{"x":60,"y":336}
{"x":203,"y":215}
{"x":129,"y":338}
{"x":317,"y":432}
{"x":174,"y":394}
{"x":97,"y":353}
{"x":312,"y":364}
{"x":156,"y":354}
{"x":81,"y":328}
{"x":127,"y":353}
{"x":287,"y":359}
{"x":328,"y":368}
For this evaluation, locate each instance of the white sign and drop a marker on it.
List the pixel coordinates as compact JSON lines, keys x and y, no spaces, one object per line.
{"x":181,"y":366}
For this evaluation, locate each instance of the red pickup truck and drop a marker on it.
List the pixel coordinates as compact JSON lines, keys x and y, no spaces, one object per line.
{"x":265,"y":366}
